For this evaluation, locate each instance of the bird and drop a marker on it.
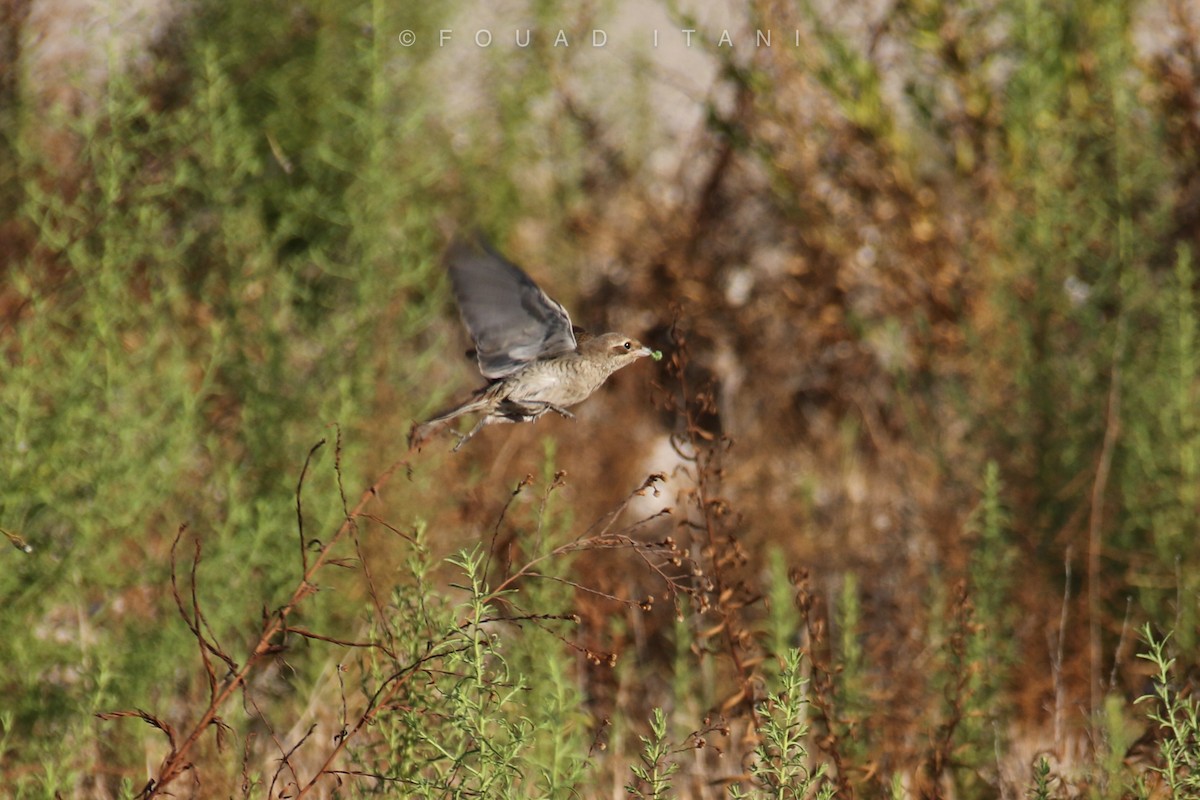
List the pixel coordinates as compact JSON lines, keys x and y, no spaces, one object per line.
{"x":535,"y":360}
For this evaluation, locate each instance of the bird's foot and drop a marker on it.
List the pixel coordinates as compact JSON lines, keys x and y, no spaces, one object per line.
{"x":561,"y":410}
{"x":463,"y":438}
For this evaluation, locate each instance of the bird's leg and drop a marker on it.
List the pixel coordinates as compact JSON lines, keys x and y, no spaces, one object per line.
{"x":464,"y":438}
{"x":420,"y":433}
{"x":560,"y":410}
{"x":526,"y":411}
{"x":485,"y":420}
{"x":534,"y":409}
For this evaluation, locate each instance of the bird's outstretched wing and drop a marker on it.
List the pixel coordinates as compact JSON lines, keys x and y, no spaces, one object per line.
{"x":511,"y":320}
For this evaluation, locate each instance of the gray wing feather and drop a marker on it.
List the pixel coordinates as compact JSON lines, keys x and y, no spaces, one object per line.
{"x":511,"y":320}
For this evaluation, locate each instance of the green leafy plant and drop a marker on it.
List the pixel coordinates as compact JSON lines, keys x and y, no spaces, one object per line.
{"x":782,"y":768}
{"x":1177,"y":717}
{"x":652,"y":776}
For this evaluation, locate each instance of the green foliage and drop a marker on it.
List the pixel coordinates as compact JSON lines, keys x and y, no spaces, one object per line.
{"x":782,"y":767}
{"x":1160,"y":469}
{"x":478,"y":746}
{"x":556,"y":760}
{"x":853,"y":661}
{"x":653,"y":773}
{"x":1082,"y":218}
{"x":988,"y":647}
{"x":1178,"y":718}
{"x":1116,"y":730}
{"x":1039,"y":788}
{"x":852,"y":687}
{"x":493,"y":706}
{"x":200,"y":306}
{"x":783,"y":623}
{"x":852,"y":79}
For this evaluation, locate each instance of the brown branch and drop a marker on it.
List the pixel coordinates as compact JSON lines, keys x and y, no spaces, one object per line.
{"x":385,"y":524}
{"x":821,"y":680}
{"x":383,"y":695}
{"x":307,"y":634}
{"x":703,"y":455}
{"x":195,"y":618}
{"x":149,"y":719}
{"x":487,"y":564}
{"x":675,"y":584}
{"x":247,"y":781}
{"x":285,"y":754}
{"x":274,"y":625}
{"x":299,"y":507}
{"x":285,"y":760}
{"x":942,"y":755}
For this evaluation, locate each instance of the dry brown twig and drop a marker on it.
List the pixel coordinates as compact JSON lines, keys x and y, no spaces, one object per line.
{"x":276,"y":627}
{"x":941,"y":755}
{"x":821,"y":683}
{"x":722,"y":555}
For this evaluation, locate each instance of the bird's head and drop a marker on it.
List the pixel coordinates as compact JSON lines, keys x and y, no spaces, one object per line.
{"x":617,"y":350}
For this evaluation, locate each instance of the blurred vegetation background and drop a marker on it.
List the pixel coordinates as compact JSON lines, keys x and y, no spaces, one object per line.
{"x":924,"y":274}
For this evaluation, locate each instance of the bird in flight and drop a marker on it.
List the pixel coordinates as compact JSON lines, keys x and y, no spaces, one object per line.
{"x":534,"y":359}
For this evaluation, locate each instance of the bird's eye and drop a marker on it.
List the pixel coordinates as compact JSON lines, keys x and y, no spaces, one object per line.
{"x":628,"y":345}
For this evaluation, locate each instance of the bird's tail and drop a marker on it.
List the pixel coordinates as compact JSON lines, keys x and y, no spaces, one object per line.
{"x":421,"y":432}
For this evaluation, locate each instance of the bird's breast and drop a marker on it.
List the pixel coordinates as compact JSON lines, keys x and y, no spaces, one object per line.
{"x":559,"y":381}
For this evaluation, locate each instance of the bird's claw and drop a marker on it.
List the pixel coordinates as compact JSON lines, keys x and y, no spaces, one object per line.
{"x":561,"y":411}
{"x":464,"y":437}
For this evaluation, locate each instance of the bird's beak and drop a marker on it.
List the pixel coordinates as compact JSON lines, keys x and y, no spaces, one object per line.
{"x":646,"y":351}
